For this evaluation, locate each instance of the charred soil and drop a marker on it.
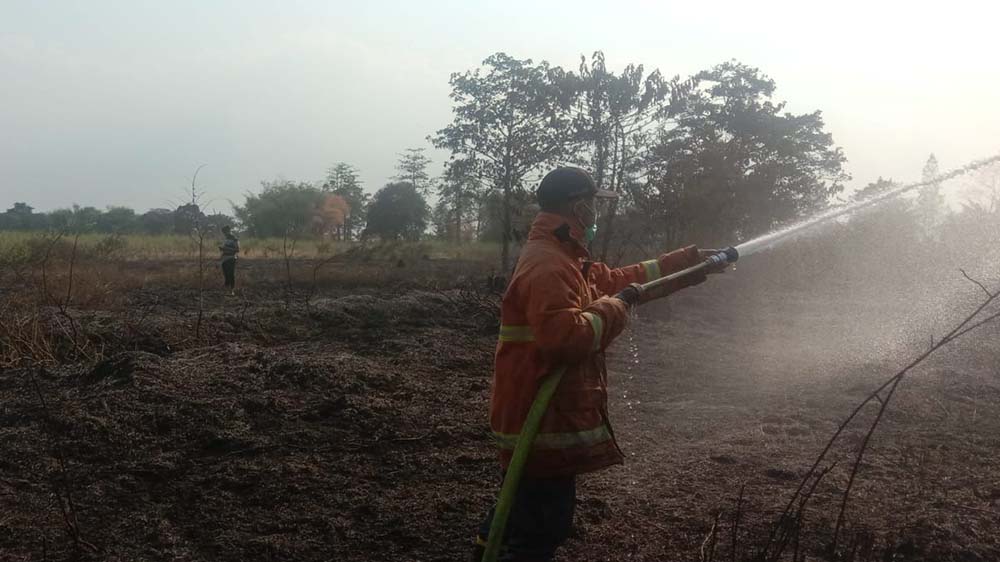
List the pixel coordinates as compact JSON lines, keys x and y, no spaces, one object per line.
{"x":351,"y":424}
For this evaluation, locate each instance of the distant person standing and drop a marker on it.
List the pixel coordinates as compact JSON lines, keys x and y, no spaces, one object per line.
{"x":229,"y":248}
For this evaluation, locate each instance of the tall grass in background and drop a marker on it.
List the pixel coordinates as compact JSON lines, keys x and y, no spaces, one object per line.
{"x":24,"y":246}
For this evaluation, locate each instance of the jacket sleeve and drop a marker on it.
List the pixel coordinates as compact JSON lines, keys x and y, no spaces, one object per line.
{"x":610,"y":281}
{"x":563,"y":329}
{"x":673,"y":262}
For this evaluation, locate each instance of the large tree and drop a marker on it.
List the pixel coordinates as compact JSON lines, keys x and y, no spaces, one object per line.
{"x":615,"y":116}
{"x":117,"y":220}
{"x":737,"y":164}
{"x":188,"y":218}
{"x":397,"y":211}
{"x":457,"y":215}
{"x":412,"y":168}
{"x":157,"y":221}
{"x":510,"y":117}
{"x":282,"y":208}
{"x":930,"y":206}
{"x":342,"y":179}
{"x":22,"y":217}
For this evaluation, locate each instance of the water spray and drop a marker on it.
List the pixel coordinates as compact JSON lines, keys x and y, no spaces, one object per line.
{"x":770,"y":240}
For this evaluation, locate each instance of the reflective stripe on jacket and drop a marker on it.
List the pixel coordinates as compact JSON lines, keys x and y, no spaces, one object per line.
{"x":556,"y":312}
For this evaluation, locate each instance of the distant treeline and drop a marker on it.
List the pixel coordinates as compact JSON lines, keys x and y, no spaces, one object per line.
{"x":113,"y":220}
{"x":710,"y":159}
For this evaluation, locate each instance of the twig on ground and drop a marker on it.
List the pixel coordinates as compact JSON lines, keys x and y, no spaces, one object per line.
{"x":736,"y":522}
{"x":708,"y":545}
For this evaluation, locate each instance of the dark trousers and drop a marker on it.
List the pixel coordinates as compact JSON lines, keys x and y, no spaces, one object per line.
{"x":540,"y":520}
{"x":229,"y":272}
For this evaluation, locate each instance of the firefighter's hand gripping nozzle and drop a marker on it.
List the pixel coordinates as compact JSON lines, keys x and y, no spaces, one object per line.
{"x":664,"y":285}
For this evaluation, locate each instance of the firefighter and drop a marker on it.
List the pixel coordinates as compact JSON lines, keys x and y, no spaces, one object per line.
{"x":229,"y":248}
{"x":560,"y":308}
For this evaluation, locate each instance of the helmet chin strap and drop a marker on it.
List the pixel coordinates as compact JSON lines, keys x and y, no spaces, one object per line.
{"x":576,"y":215}
{"x":589,"y":230}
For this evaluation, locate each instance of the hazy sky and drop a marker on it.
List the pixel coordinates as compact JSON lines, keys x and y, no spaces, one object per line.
{"x":118,"y":102}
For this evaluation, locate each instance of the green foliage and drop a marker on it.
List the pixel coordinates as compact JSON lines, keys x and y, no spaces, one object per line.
{"x":458,"y":213}
{"x":710,"y":159}
{"x":510,"y":119}
{"x":615,"y":118}
{"x":342,"y":179}
{"x":188,"y":218}
{"x":614,"y":114}
{"x":397,"y":211}
{"x":156,"y":222}
{"x":412,"y":168}
{"x":282,"y":207}
{"x":117,"y":220}
{"x":22,"y":217}
{"x":523,"y":210}
{"x":113,"y":220}
{"x":736,"y":165}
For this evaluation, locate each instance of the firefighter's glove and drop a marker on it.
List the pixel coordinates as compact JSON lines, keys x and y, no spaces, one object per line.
{"x":630,"y":295}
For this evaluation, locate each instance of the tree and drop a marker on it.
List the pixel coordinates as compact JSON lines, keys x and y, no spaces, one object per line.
{"x":930,"y":208}
{"x":61,"y":219}
{"x":397,"y":211}
{"x":457,"y":215}
{"x":117,"y":220}
{"x":615,"y":117}
{"x":875,"y":189}
{"x":282,"y":208}
{"x":412,"y":167}
{"x":342,"y":179}
{"x":491,"y":227}
{"x":736,"y":165}
{"x":892,"y":215}
{"x":329,"y":215}
{"x":188,"y":218}
{"x":219,"y":220}
{"x":509,"y":118}
{"x":22,"y":217}
{"x":157,"y":221}
{"x":444,"y":223}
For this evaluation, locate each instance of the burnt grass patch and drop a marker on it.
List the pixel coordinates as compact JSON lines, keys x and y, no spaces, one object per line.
{"x":352,"y":424}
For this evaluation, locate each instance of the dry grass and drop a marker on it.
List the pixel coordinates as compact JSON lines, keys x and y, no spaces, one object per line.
{"x":50,"y":284}
{"x":27,"y":246}
{"x":23,"y":337}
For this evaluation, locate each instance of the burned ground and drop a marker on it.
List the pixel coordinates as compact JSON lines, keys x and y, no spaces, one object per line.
{"x":350,"y":424}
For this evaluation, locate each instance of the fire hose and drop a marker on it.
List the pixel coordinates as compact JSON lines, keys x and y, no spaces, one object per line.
{"x":529,"y":430}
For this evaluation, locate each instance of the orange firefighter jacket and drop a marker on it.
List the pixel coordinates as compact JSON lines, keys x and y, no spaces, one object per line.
{"x":557,"y":311}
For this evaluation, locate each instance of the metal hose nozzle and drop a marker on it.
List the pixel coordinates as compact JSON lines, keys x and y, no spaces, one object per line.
{"x":729,"y":255}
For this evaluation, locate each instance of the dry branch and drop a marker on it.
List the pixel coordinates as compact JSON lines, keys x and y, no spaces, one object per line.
{"x":971,"y":322}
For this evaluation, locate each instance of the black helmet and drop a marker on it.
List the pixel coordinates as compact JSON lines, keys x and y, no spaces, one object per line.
{"x":565,"y":183}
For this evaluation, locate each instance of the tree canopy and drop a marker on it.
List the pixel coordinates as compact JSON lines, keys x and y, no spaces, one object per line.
{"x":510,"y":118}
{"x":342,"y":179}
{"x":736,"y":164}
{"x":397,"y":211}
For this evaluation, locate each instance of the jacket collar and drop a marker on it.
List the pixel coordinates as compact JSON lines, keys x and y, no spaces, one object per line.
{"x":555,"y":228}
